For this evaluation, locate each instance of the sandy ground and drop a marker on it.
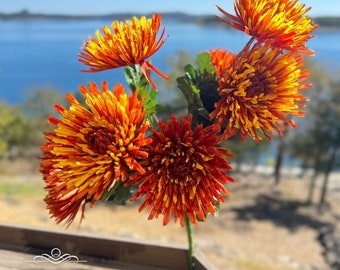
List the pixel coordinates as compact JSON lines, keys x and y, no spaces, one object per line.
{"x":259,"y":227}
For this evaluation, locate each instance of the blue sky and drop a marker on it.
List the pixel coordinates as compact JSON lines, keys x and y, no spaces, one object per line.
{"x":319,"y":7}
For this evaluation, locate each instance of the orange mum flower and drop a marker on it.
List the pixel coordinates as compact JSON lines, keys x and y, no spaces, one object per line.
{"x":281,"y":23}
{"x":261,"y":86}
{"x":91,"y":148}
{"x":126,"y":44}
{"x":185,"y":172}
{"x":221,"y":59}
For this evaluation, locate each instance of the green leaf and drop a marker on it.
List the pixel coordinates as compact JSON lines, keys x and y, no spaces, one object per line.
{"x":136,"y":79}
{"x":188,"y":88}
{"x":150,"y":100}
{"x":199,"y":87}
{"x":217,"y":211}
{"x":119,"y":194}
{"x":217,"y":208}
{"x":195,"y":106}
{"x":190,"y":71}
{"x":204,"y":63}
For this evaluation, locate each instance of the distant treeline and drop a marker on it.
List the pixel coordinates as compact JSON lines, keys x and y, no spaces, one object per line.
{"x":328,"y":21}
{"x":177,"y":16}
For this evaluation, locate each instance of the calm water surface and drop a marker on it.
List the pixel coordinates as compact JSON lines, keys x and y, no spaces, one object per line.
{"x":42,"y":54}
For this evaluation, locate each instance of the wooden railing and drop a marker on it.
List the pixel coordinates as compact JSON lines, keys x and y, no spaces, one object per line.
{"x":105,"y":252}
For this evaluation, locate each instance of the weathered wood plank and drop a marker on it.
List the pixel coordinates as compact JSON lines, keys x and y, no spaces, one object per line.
{"x":13,"y":260}
{"x":100,"y":251}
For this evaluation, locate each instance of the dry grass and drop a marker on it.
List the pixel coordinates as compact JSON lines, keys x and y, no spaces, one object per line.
{"x":255,"y":230}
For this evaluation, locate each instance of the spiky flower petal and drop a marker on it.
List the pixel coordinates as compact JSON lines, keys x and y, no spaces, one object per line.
{"x":91,"y":148}
{"x":222,"y":60}
{"x":260,"y":90}
{"x":185,"y":172}
{"x":280,"y":23}
{"x":127,"y":43}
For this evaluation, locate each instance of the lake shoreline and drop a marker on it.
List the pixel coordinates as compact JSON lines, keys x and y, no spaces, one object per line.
{"x":325,"y":23}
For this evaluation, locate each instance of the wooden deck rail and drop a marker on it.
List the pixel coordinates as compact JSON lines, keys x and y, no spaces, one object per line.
{"x":100,"y":253}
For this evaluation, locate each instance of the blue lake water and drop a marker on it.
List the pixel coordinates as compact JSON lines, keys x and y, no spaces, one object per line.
{"x":43,"y":54}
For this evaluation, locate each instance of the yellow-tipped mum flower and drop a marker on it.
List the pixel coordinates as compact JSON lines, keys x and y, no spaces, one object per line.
{"x":91,"y":148}
{"x":280,"y":23}
{"x":127,"y":43}
{"x":185,"y":172}
{"x":260,"y":89}
{"x":222,"y":60}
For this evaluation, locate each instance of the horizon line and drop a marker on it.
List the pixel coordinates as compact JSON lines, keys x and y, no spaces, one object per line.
{"x":28,"y":12}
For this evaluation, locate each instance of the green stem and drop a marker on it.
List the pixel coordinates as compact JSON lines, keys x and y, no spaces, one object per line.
{"x":189,"y":230}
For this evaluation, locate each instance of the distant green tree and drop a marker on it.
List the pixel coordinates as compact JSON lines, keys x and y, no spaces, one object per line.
{"x":39,"y":102}
{"x":247,"y":151}
{"x":22,"y":126}
{"x":281,"y":151}
{"x":328,"y":129}
{"x":317,"y":144}
{"x":13,"y":131}
{"x":328,"y":21}
{"x":38,"y":106}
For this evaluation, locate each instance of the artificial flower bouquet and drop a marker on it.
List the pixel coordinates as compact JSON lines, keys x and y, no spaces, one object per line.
{"x":111,"y":147}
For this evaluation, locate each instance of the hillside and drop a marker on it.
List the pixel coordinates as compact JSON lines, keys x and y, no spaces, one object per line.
{"x":323,"y":22}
